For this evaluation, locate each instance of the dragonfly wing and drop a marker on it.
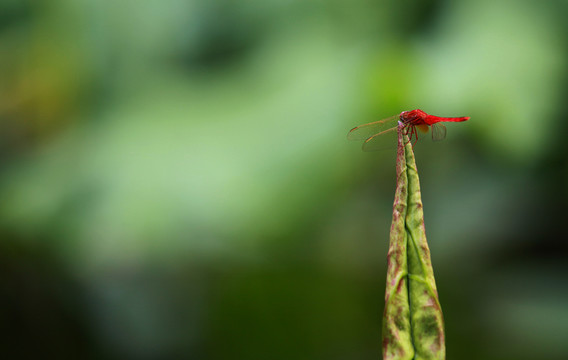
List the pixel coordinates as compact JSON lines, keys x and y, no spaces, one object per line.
{"x":438,"y":132}
{"x":423,"y":128}
{"x":363,"y":132}
{"x":386,"y":139}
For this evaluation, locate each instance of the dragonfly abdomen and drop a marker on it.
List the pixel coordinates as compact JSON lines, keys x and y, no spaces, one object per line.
{"x":431,"y":119}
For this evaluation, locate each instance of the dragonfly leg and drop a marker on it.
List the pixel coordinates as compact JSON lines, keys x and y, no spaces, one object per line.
{"x":415,"y":137}
{"x":408,"y":130}
{"x":409,"y":133}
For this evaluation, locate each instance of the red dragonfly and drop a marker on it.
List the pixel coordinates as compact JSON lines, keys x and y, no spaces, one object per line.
{"x":378,"y":134}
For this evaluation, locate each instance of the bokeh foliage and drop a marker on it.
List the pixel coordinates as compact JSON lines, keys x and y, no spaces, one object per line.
{"x":175,"y":179}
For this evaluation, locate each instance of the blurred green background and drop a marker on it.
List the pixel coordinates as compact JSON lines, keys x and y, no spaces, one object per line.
{"x":175,"y":180}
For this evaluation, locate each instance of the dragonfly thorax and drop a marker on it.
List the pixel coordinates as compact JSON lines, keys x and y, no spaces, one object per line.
{"x":413,"y":117}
